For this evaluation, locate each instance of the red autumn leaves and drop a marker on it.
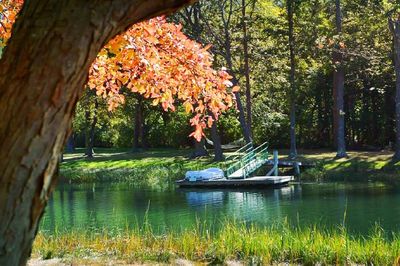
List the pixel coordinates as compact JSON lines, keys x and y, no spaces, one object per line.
{"x":8,"y":12}
{"x":155,"y":58}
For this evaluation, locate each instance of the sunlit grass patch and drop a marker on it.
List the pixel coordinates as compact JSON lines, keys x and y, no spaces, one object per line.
{"x":161,"y":165}
{"x":148,"y":167}
{"x":359,"y":166}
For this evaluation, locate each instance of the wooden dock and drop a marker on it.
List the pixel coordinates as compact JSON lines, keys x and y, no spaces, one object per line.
{"x":257,"y":181}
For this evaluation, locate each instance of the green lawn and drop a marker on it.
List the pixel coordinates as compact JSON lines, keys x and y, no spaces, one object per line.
{"x":171,"y":164}
{"x":124,"y":158}
{"x":359,"y":166}
{"x":147,"y":167}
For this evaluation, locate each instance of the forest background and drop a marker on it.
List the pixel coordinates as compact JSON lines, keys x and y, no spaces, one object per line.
{"x":282,"y":70}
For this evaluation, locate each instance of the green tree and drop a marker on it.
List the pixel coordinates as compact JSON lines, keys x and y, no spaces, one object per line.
{"x":55,"y":43}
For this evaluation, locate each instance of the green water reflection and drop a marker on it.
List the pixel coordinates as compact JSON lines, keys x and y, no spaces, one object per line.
{"x":120,"y":205}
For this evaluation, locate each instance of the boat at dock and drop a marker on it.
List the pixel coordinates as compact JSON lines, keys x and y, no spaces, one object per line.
{"x":240,"y":168}
{"x":256,"y":181}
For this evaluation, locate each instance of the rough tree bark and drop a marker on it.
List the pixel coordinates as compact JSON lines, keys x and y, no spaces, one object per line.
{"x":143,"y":131}
{"x":293,"y":150}
{"x":394,"y":26}
{"x":192,"y":20}
{"x":90,"y":133}
{"x":42,"y":72}
{"x":228,"y":57}
{"x":87,"y":126}
{"x":138,"y":124}
{"x":242,"y":119}
{"x":218,"y":153}
{"x":70,"y":147}
{"x":199,"y":148}
{"x":338,"y":90}
{"x":246,"y":66}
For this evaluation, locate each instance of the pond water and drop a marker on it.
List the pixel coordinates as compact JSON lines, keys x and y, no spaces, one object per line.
{"x":120,"y":205}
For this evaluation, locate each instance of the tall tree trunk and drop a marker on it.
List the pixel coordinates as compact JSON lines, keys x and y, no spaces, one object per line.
{"x":228,"y":57}
{"x":90,"y":146}
{"x":137,"y":133}
{"x":87,"y":130}
{"x":293,"y":150}
{"x":192,"y":19}
{"x":70,"y":147}
{"x":246,"y":66}
{"x":42,"y":73}
{"x":389,"y":116}
{"x":197,"y":31}
{"x":394,"y":26}
{"x":199,"y":148}
{"x":218,"y":153}
{"x":242,"y":119}
{"x":338,"y":90}
{"x":143,"y":132}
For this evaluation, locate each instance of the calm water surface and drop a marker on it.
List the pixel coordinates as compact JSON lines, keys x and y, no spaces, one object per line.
{"x":120,"y":205}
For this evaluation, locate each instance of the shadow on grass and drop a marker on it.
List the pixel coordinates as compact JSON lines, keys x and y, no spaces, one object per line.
{"x":120,"y":158}
{"x":360,"y":167}
{"x":154,"y":167}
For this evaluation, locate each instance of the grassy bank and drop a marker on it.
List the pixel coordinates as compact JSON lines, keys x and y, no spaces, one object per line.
{"x":234,"y":242}
{"x":144,"y":168}
{"x":157,"y":167}
{"x":359,"y":166}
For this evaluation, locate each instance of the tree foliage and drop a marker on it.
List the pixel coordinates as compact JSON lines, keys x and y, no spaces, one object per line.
{"x":156,"y":59}
{"x":365,"y":41}
{"x":8,"y":12}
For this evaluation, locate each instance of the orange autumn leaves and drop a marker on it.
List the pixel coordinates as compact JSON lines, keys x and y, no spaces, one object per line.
{"x":155,"y":58}
{"x":8,"y":12}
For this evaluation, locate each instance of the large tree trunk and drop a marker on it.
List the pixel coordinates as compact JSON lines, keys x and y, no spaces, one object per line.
{"x":42,"y":72}
{"x":293,"y":150}
{"x":242,"y":119}
{"x":87,"y":128}
{"x":143,"y":133}
{"x":70,"y":147}
{"x":394,"y":26}
{"x":228,"y":58}
{"x":199,"y":148}
{"x":246,"y":66}
{"x":90,"y":142}
{"x":192,"y":17}
{"x":338,"y":90}
{"x":218,"y":153}
{"x":138,"y":124}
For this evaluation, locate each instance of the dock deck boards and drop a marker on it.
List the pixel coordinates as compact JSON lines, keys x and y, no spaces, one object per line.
{"x":251,"y":181}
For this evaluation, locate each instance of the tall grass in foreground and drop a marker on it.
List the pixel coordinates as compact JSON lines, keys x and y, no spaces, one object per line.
{"x":234,"y":241}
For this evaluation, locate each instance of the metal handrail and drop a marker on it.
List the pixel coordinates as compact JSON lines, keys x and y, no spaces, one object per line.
{"x":237,"y":156}
{"x":262,"y":146}
{"x":250,"y":152}
{"x":246,"y":148}
{"x":246,"y":160}
{"x":248,"y":168}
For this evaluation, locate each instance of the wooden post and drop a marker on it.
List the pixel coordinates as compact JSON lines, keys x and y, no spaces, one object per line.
{"x":296,"y":168}
{"x":275,"y":163}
